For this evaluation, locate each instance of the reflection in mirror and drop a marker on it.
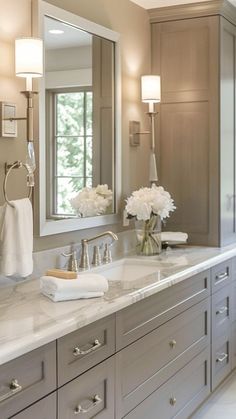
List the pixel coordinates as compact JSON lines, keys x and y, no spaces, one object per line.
{"x":79,"y":123}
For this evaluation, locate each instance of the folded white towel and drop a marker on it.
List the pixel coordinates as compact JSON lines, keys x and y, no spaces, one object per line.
{"x":87,"y":285}
{"x":174,"y":236}
{"x":16,"y":238}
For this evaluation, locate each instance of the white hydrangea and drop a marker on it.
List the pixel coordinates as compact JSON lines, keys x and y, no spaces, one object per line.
{"x":147,"y":201}
{"x":92,"y":201}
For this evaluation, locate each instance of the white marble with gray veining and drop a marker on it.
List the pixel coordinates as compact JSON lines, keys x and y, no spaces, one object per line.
{"x":29,"y":320}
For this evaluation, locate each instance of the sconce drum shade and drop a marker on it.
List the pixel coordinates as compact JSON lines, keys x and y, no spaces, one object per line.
{"x":29,"y":57}
{"x":151,"y":88}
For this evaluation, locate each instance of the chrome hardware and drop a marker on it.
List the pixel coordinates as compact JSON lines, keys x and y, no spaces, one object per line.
{"x":72,"y":264}
{"x":221,"y":277}
{"x":222,"y":357}
{"x":14,"y":387}
{"x":77,"y":351}
{"x":172,"y":343}
{"x":173,"y":401}
{"x":107,"y":254}
{"x":96,"y":400}
{"x":84,"y":261}
{"x":222,"y":310}
{"x":96,"y":261}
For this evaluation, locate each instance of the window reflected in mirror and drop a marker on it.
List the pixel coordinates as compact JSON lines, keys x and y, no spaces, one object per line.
{"x":79,"y":94}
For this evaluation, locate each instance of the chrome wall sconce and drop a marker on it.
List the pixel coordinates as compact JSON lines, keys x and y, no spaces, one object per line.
{"x":28,"y":64}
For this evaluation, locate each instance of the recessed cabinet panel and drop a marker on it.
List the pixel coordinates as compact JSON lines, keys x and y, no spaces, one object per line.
{"x":181,"y":395}
{"x":44,"y":409}
{"x":221,"y":359}
{"x":184,"y":163}
{"x":89,"y":396}
{"x":82,"y":349}
{"x":221,"y":311}
{"x":27,"y":379}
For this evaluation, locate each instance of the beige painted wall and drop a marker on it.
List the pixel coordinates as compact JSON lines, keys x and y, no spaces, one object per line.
{"x":132,"y":23}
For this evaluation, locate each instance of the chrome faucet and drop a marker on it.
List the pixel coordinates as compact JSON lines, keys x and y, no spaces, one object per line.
{"x":84,"y":260}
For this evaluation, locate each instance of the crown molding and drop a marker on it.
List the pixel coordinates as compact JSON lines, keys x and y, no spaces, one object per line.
{"x":199,"y":9}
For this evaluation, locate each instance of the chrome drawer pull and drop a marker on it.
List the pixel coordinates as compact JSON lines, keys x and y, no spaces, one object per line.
{"x":173,"y":343}
{"x":96,"y":401}
{"x":221,"y":277}
{"x":173,"y":401}
{"x":222,"y":310}
{"x":222,"y":357}
{"x":77,"y":351}
{"x":14,"y":388}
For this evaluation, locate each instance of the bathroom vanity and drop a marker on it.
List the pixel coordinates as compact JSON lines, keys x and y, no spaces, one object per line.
{"x":153,"y":347}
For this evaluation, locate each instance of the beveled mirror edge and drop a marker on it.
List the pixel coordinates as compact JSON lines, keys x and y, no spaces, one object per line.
{"x":43,"y":226}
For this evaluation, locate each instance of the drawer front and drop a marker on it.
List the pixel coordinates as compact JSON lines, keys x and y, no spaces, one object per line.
{"x":144,"y":316}
{"x":27,"y":379}
{"x":234,"y":300}
{"x":89,"y":396}
{"x":234,"y":269}
{"x":221,"y":275}
{"x":44,"y":409}
{"x":81,"y":350}
{"x":146,"y":364}
{"x":221,"y":311}
{"x":233,"y":347}
{"x":181,"y":395}
{"x":221,"y":360}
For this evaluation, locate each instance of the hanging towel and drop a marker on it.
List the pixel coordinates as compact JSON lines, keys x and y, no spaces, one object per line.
{"x":16,"y":238}
{"x":87,"y":285}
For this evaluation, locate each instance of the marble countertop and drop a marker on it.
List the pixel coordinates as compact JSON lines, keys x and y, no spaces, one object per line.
{"x":29,"y":320}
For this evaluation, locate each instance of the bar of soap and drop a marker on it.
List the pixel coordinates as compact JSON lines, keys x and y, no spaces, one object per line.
{"x":59,"y":273}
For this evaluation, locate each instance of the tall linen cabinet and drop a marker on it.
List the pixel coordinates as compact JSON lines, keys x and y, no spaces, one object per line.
{"x":194,"y":51}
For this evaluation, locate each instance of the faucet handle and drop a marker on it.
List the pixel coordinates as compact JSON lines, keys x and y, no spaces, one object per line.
{"x":96,"y":261}
{"x":72,"y":263}
{"x":107,"y":254}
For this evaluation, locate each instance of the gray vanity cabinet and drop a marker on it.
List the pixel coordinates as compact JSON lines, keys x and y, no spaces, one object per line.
{"x":196,"y":126}
{"x":233,"y":327}
{"x":27,"y":379}
{"x":44,"y":409}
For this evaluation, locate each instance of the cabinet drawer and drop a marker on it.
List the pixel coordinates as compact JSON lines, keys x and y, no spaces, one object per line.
{"x":81,"y":350}
{"x":146,"y":364}
{"x":144,"y":316}
{"x":221,"y":360}
{"x":181,"y":395}
{"x":234,"y":301}
{"x":221,"y":275}
{"x":221,"y":311}
{"x":233,"y":346}
{"x":234,"y":269}
{"x":90,"y":395}
{"x":27,"y":379}
{"x":44,"y":409}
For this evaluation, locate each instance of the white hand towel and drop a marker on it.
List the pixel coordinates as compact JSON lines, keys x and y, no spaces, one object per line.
{"x":174,"y":236}
{"x":87,"y":285}
{"x":16,"y":238}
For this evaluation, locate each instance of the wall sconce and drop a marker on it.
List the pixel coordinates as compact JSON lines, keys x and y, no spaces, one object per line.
{"x":151,"y":94}
{"x":28,"y":64}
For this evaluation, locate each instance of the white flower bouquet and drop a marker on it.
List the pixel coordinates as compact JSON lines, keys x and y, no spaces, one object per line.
{"x":149,"y":206}
{"x":90,"y":202}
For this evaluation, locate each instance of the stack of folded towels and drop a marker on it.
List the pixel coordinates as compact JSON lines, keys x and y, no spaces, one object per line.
{"x":86,"y":285}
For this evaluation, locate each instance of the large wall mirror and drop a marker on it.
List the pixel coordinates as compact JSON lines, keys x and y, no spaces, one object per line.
{"x":79,"y":144}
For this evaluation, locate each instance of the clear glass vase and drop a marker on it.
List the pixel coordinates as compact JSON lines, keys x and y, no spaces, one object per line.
{"x":148,"y":235}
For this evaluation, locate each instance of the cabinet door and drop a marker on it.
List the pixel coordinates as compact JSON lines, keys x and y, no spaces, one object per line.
{"x":44,"y":409}
{"x":188,"y":136}
{"x":227,"y":145}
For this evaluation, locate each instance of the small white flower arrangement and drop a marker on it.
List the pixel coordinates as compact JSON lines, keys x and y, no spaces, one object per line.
{"x":90,"y":202}
{"x":145,"y":202}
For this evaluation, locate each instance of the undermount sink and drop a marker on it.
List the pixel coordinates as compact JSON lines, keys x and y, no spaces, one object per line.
{"x":127,"y":269}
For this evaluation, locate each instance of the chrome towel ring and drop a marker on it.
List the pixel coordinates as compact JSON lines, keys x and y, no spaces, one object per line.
{"x":8,"y":168}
